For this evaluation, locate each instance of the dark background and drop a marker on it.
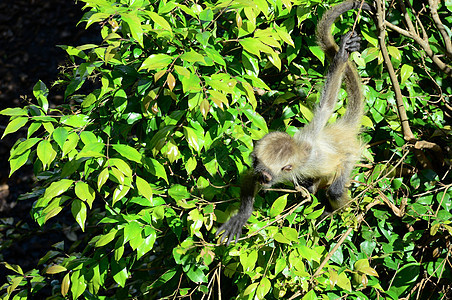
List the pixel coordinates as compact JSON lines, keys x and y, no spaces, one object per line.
{"x":29,"y":34}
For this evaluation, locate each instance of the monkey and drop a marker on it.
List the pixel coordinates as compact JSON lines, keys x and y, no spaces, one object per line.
{"x":319,"y":155}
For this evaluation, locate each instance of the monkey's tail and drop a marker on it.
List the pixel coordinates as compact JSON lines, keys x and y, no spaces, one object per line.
{"x":325,"y":39}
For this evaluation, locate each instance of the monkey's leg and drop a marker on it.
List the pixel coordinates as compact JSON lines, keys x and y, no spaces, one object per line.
{"x":336,"y":192}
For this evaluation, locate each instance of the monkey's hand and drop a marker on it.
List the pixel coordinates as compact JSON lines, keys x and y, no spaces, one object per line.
{"x":232,"y":228}
{"x":350,"y":42}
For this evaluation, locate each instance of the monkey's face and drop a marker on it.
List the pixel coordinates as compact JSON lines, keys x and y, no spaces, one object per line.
{"x":275,"y":158}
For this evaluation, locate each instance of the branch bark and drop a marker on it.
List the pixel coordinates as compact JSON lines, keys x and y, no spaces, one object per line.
{"x":434,"y":11}
{"x":407,"y":133}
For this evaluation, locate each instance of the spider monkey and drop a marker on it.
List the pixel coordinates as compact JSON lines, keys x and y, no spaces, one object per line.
{"x":319,"y":155}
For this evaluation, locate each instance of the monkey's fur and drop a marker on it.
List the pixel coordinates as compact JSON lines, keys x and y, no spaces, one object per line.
{"x":320,"y":154}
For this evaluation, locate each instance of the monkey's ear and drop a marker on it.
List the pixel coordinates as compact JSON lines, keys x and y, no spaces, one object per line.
{"x":287,"y":168}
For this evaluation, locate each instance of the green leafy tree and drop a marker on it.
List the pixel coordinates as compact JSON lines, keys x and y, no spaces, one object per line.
{"x":148,"y":160}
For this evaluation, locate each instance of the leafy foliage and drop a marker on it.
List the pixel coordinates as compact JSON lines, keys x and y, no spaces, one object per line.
{"x":148,"y":160}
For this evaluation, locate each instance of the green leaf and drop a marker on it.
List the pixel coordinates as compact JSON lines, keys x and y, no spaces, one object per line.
{"x":405,"y":73}
{"x":256,"y":119}
{"x":317,"y":51}
{"x":309,"y":254}
{"x":95,"y":18}
{"x":15,"y":281}
{"x":14,"y":268}
{"x":164,"y":278}
{"x":24,"y":146}
{"x":76,"y":121}
{"x":32,"y":129}
{"x":218,"y":98}
{"x":249,"y":93}
{"x":134,"y":24}
{"x":106,"y":238}
{"x":310,"y":295}
{"x":285,"y":36}
{"x":102,"y":178}
{"x":192,"y":138}
{"x":370,"y":54}
{"x":18,"y":161}
{"x":192,"y":57}
{"x":178,"y":192}
{"x":54,"y":269}
{"x":40,"y":91}
{"x":60,"y":135}
{"x":278,"y":206}
{"x":57,"y":188}
{"x":78,"y":284}
{"x":290,"y":233}
{"x":122,"y":166}
{"x":280,"y":265}
{"x":119,"y":193}
{"x":119,"y":271}
{"x":118,"y":175}
{"x":132,"y":230}
{"x":263,"y":288}
{"x":190,"y":165}
{"x":156,"y":168}
{"x":215,"y":56}
{"x":128,"y":152}
{"x":191,"y":84}
{"x":343,"y":282}
{"x":70,"y":143}
{"x":85,"y":193}
{"x":156,"y":61}
{"x":196,"y":219}
{"x":196,"y":275}
{"x":251,"y":288}
{"x":15,"y":125}
{"x":394,"y":53}
{"x":15,"y":111}
{"x":281,"y":238}
{"x":88,"y":138}
{"x":315,"y":214}
{"x":144,"y":188}
{"x":136,"y":242}
{"x":248,"y":261}
{"x":367,"y":122}
{"x":65,"y":284}
{"x":89,"y":100}
{"x":46,"y":153}
{"x":78,"y":209}
{"x":147,"y":244}
{"x":251,"y":45}
{"x":159,"y":20}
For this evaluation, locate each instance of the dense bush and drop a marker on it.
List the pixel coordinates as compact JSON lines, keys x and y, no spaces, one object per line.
{"x":157,"y":126}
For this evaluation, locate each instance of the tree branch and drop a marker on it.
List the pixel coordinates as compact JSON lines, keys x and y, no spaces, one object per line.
{"x":425,"y":45}
{"x":407,"y":133}
{"x":434,"y":11}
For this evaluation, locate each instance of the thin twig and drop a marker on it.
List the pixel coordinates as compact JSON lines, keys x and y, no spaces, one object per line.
{"x":357,"y":16}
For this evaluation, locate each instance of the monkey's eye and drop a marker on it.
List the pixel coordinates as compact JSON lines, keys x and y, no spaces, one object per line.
{"x":287,"y":168}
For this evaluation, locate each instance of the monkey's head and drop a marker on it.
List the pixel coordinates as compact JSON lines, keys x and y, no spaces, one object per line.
{"x":276,"y":158}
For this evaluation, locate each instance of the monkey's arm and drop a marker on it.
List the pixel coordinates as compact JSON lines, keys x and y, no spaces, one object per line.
{"x":234,"y":226}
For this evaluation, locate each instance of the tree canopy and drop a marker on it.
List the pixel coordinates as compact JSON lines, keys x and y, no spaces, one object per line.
{"x":145,"y":155}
